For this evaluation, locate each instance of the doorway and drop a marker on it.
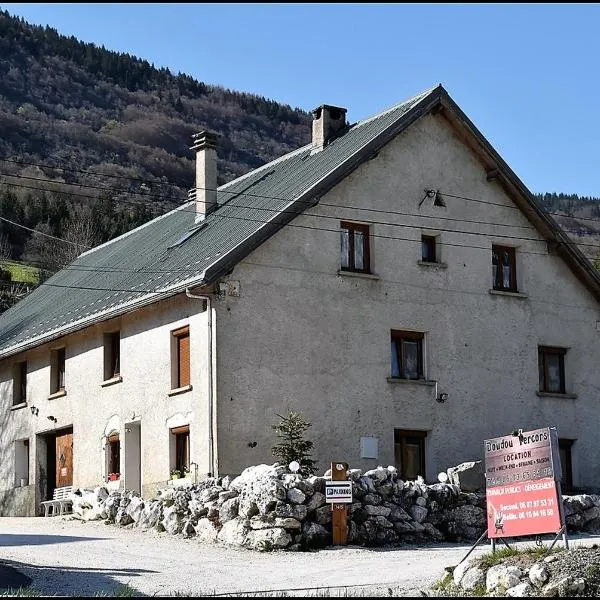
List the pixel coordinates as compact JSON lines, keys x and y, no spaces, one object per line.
{"x":55,"y":459}
{"x":133,"y":456}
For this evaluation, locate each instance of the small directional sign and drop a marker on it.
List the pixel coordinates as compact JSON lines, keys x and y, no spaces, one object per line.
{"x":338,"y":492}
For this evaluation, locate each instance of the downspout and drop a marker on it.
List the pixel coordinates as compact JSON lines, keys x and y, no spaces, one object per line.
{"x":211,"y":371}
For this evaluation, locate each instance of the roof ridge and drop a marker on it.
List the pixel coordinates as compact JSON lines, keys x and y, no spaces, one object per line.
{"x":384,"y":112}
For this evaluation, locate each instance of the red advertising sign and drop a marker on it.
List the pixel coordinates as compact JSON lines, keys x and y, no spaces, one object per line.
{"x":521,"y":492}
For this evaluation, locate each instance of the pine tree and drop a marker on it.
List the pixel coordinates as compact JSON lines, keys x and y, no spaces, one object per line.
{"x":290,"y":430}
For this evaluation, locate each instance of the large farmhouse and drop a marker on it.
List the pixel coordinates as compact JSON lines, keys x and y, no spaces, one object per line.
{"x":393,"y":280}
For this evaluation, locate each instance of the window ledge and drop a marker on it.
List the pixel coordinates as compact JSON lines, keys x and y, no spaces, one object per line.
{"x":112,"y":380}
{"x":556,"y":395}
{"x":58,"y":394}
{"x":513,"y":294}
{"x":416,"y":381}
{"x":181,"y":390}
{"x":435,"y":265}
{"x":18,"y":406}
{"x":357,"y":274}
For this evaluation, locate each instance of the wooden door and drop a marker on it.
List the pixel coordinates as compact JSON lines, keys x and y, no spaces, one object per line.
{"x":64,"y":459}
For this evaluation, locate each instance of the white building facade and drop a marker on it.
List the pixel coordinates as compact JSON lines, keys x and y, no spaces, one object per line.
{"x":417,"y":304}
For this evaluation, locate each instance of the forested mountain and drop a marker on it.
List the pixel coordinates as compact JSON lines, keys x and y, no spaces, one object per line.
{"x":95,"y":142}
{"x":114,"y":133}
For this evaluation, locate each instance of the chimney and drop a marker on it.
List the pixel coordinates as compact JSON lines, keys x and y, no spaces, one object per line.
{"x":205,"y":144}
{"x":328,"y":123}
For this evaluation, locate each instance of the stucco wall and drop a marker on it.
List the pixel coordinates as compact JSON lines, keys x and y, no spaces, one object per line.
{"x":303,"y":337}
{"x":93,"y":411}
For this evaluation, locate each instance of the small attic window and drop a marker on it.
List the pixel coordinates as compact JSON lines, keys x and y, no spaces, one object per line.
{"x":188,"y":234}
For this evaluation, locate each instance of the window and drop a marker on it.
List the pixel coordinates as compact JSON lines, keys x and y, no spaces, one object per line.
{"x":428,"y":251}
{"x":180,"y":459}
{"x":57,"y":371}
{"x":409,"y":453}
{"x":19,"y":383}
{"x":181,"y":358}
{"x":564,"y":450}
{"x":113,"y":449}
{"x":551,"y":363}
{"x":112,"y":355}
{"x":407,"y":355}
{"x":355,"y":252}
{"x":504,"y":275}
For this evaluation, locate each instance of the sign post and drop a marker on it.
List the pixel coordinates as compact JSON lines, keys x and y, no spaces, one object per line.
{"x":522,"y":474}
{"x":338,"y":493}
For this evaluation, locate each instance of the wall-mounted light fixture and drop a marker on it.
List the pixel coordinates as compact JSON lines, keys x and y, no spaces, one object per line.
{"x":52,"y":418}
{"x":252,"y":444}
{"x":34,"y":410}
{"x":442,"y":397}
{"x":435,"y":194}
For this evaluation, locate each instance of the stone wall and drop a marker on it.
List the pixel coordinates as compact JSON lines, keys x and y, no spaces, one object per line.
{"x":267,"y":507}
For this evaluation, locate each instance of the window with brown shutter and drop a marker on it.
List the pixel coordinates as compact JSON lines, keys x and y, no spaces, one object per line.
{"x":181,"y":357}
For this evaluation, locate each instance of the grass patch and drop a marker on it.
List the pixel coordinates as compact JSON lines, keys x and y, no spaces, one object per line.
{"x":23,"y":592}
{"x":443,"y":584}
{"x":490,"y":559}
{"x":21,"y":272}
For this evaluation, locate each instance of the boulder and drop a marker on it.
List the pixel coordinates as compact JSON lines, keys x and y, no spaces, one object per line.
{"x":501,"y":577}
{"x":538,"y":574}
{"x":150,"y":514}
{"x":296,"y":496}
{"x":317,"y":501}
{"x":295,"y":511}
{"x":234,"y":532}
{"x":173,"y":520}
{"x":418,"y":513}
{"x":323,"y":515}
{"x":377,"y":510}
{"x":206,"y":531}
{"x":521,"y":590}
{"x":229,"y":510}
{"x":468,"y":476}
{"x":378,"y":475}
{"x":473,"y":577}
{"x":134,"y":508}
{"x":275,"y":537}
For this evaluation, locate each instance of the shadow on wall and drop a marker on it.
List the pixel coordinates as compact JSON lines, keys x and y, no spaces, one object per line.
{"x":67,"y":581}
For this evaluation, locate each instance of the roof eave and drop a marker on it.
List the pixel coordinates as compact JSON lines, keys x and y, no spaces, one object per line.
{"x":527,"y":202}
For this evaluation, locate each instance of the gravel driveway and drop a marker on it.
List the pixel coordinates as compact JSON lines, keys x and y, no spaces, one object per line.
{"x":69,"y":558}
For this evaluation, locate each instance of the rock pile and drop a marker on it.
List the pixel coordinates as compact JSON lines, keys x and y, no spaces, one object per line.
{"x":267,"y":507}
{"x":563,"y":573}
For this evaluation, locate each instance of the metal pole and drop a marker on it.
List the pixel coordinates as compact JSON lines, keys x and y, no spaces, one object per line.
{"x":473,"y":547}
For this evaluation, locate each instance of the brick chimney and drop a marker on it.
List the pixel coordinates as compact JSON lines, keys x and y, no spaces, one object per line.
{"x":205,"y":144}
{"x":328,"y":123}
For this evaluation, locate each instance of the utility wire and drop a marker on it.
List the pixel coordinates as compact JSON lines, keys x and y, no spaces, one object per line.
{"x":251,"y":195}
{"x":276,"y":212}
{"x":86,"y":172}
{"x":42,"y":233}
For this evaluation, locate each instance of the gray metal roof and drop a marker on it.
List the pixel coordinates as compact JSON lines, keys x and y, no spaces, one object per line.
{"x":147,"y":264}
{"x":140,"y":267}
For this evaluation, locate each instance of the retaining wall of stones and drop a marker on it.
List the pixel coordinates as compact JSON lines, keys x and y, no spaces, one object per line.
{"x":268,"y":507}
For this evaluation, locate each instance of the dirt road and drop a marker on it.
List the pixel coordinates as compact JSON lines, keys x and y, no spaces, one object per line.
{"x":68,"y":558}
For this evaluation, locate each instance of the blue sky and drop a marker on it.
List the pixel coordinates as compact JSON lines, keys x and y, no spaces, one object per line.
{"x":525,"y":74}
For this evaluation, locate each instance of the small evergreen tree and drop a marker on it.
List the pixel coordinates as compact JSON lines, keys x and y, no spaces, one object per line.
{"x":290,"y":430}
